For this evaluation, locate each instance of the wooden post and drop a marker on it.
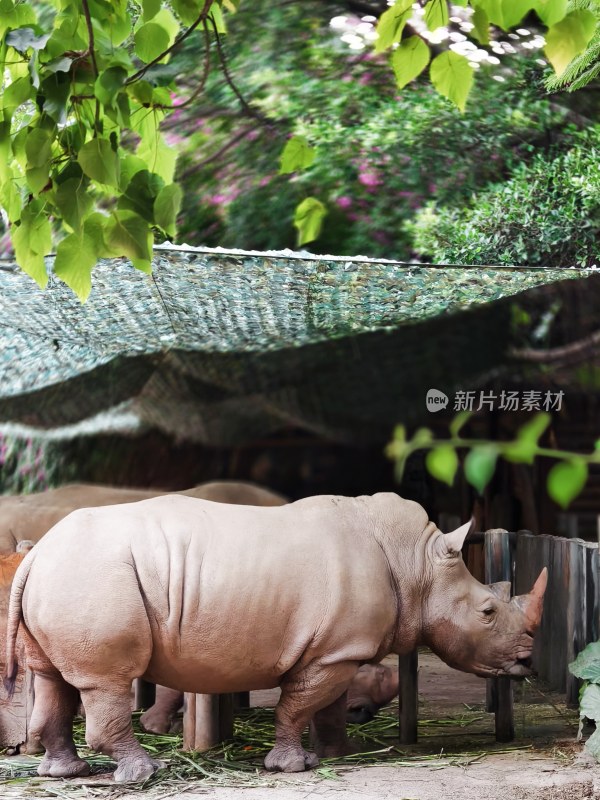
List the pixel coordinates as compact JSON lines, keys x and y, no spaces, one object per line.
{"x":575,"y":568}
{"x":498,"y":567}
{"x":225,"y":717}
{"x":241,"y":700}
{"x":408,"y":712}
{"x":559,"y":585}
{"x":592,"y":633}
{"x":200,"y":721}
{"x":144,"y":694}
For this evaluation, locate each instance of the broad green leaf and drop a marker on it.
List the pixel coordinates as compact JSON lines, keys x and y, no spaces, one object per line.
{"x":166,"y":20}
{"x":14,"y":16}
{"x":297,"y":154}
{"x":150,"y":8}
{"x":587,"y":664}
{"x":76,"y":256}
{"x":308,"y":219}
{"x":16,"y":94}
{"x":568,"y":38}
{"x":157,"y":155}
{"x":127,"y":234}
{"x":38,"y":178}
{"x":480,"y":464}
{"x":589,"y":705}
{"x":55,"y":91}
{"x":74,"y":201}
{"x":409,"y":60}
{"x":436,"y":14}
{"x":442,"y":463}
{"x":140,"y":194}
{"x":566,"y":480}
{"x":23,"y":39}
{"x":391,"y":24}
{"x":187,"y":10}
{"x":100,"y":162}
{"x":109,"y":83}
{"x":515,"y":10}
{"x":150,"y":41}
{"x":32,"y":240}
{"x":38,"y":147}
{"x":551,"y":11}
{"x":95,"y":227}
{"x":452,"y":76}
{"x":217,"y":17}
{"x":166,"y":208}
{"x":10,"y":197}
{"x":481,"y":29}
{"x":141,"y":91}
{"x":593,"y":744}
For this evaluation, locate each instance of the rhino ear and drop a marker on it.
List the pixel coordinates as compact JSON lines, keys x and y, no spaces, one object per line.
{"x":452,"y":543}
{"x":501,"y":590}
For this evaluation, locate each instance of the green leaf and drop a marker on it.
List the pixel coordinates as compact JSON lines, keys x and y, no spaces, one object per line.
{"x":16,"y":94}
{"x":166,"y":208}
{"x":436,"y":14}
{"x":297,"y":154}
{"x":459,"y":421}
{"x":23,"y":39}
{"x":481,"y":23}
{"x":551,"y":11}
{"x":391,"y":24}
{"x":589,"y":705}
{"x":55,"y":92}
{"x":32,"y":240}
{"x":409,"y":60}
{"x":593,"y":744}
{"x":515,"y":10}
{"x":566,"y":480}
{"x":308,"y":219}
{"x":109,"y":83}
{"x":532,"y":431}
{"x":587,"y":664}
{"x":150,"y":41}
{"x":37,"y":178}
{"x":76,"y":256}
{"x":10,"y":198}
{"x":480,"y":464}
{"x":127,"y":234}
{"x":217,"y":17}
{"x":38,"y":147}
{"x":141,"y":192}
{"x":150,"y":8}
{"x":568,"y":38}
{"x":100,"y":162}
{"x":188,"y":10}
{"x":452,"y":76}
{"x":442,"y":463}
{"x":74,"y":202}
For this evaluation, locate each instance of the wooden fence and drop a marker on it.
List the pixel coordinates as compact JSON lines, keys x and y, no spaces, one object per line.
{"x":570,"y":618}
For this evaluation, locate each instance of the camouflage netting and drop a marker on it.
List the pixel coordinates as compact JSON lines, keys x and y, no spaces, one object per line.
{"x":220,"y":347}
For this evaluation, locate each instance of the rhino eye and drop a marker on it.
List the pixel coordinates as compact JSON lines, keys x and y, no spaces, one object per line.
{"x":489,"y":611}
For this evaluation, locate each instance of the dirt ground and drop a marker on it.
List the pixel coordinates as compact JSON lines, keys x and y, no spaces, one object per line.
{"x":457,"y":757}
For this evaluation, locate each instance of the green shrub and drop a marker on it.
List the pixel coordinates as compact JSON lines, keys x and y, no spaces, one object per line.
{"x":546,"y":214}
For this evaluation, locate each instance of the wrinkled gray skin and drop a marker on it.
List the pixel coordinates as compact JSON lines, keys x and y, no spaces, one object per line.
{"x":373,"y":687}
{"x":298,"y":596}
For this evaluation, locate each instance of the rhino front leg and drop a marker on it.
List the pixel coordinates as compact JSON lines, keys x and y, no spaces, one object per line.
{"x":108,"y":730}
{"x":303,"y":694}
{"x":159,"y":717}
{"x":52,"y":724}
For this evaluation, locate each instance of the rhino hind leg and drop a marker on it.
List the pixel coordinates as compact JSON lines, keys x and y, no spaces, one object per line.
{"x":303,"y":694}
{"x":108,"y":730}
{"x":52,"y":724}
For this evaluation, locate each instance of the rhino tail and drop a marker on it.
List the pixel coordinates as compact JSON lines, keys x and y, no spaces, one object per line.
{"x":15,"y":616}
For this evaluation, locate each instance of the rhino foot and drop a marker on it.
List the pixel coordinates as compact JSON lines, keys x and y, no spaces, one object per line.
{"x":287,"y":759}
{"x":153,"y":722}
{"x":66,"y":767}
{"x":136,"y":769}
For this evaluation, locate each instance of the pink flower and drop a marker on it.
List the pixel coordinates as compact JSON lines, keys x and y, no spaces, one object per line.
{"x":344,"y":201}
{"x":365,"y":79}
{"x":369,"y":179}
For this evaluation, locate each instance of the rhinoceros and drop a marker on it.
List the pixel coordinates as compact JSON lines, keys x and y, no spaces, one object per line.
{"x":30,"y":516}
{"x":297,"y":596}
{"x":373,"y":687}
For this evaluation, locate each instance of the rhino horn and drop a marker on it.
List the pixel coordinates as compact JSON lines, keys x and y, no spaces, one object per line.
{"x":452,"y":543}
{"x":532,"y":604}
{"x":501,"y":590}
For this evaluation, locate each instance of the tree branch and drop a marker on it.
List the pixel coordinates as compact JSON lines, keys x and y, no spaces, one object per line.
{"x":90,"y":29}
{"x":203,"y":16}
{"x":568,"y":351}
{"x":196,"y":167}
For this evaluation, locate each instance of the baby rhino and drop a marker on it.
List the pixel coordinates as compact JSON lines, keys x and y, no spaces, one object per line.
{"x":298,"y":596}
{"x":373,"y":687}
